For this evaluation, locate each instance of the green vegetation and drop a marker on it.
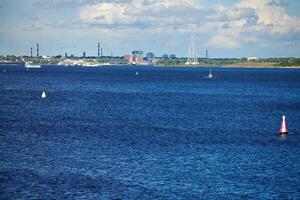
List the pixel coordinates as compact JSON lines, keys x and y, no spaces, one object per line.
{"x":288,"y":62}
{"x":276,"y":62}
{"x":42,"y":61}
{"x":172,"y":62}
{"x":182,"y":61}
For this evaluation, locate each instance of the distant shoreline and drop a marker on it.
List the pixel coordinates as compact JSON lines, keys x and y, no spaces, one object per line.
{"x":238,"y":65}
{"x":235,"y":65}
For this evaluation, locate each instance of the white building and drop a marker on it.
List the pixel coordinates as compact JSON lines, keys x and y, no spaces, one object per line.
{"x":252,"y":58}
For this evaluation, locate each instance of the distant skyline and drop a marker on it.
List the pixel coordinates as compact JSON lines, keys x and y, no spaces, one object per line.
{"x":227,"y":28}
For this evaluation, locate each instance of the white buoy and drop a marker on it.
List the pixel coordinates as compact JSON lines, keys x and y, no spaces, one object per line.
{"x":283,"y":128}
{"x":44,"y":95}
{"x":4,"y":70}
{"x":136,"y":73}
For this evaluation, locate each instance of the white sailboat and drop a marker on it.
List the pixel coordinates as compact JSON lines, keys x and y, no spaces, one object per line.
{"x":44,"y":95}
{"x":210,"y":74}
{"x":192,"y":58}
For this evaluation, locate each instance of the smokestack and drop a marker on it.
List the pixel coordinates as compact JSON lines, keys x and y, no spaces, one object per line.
{"x":37,"y":50}
{"x":31,"y":52}
{"x":98,"y":49}
{"x":206,"y":54}
{"x":101,"y":52}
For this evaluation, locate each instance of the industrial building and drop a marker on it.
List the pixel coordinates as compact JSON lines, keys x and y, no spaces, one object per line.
{"x":150,"y":57}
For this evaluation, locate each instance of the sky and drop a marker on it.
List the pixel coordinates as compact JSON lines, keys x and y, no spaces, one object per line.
{"x":226,"y":28}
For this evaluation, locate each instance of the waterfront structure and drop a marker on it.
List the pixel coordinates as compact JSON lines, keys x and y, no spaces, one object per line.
{"x":137,"y":57}
{"x":192,"y":58}
{"x":31,"y":52}
{"x":84,"y":55}
{"x":66,"y":55}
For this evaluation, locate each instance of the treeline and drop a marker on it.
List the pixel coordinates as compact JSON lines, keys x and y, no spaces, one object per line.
{"x":227,"y":61}
{"x":288,"y":62}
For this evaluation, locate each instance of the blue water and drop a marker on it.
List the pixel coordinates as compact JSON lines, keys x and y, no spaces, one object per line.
{"x":168,"y":133}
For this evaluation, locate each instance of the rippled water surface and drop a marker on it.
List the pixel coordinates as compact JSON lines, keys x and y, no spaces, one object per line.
{"x":166,"y":133}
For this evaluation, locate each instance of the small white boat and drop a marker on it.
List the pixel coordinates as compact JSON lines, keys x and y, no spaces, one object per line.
{"x":44,"y":95}
{"x":91,"y":65}
{"x":30,"y":65}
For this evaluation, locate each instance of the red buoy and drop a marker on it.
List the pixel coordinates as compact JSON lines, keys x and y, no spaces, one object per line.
{"x":283,"y":128}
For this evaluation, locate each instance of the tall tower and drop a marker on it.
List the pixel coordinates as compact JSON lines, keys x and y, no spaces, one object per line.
{"x":98,"y":49}
{"x":101,"y":52}
{"x":206,"y":55}
{"x":31,"y":52}
{"x":37,"y":50}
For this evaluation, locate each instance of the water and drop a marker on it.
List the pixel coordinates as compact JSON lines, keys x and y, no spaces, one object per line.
{"x":166,"y":133}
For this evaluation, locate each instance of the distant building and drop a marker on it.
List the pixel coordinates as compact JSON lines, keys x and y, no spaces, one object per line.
{"x":252,"y":58}
{"x":150,"y":57}
{"x":137,"y":57}
{"x":46,"y":57}
{"x":84,"y":55}
{"x":172,"y":56}
{"x":66,"y":55}
{"x":127,"y":58}
{"x":165,"y":57}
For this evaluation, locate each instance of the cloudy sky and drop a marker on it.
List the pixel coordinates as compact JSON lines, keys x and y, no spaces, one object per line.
{"x":227,"y":28}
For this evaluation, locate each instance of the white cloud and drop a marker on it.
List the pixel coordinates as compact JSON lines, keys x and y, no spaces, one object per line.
{"x":229,"y":27}
{"x":253,"y":21}
{"x":224,"y":41}
{"x":153,"y":14}
{"x":137,"y":23}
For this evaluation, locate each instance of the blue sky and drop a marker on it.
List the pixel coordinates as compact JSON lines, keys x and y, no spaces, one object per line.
{"x":227,"y":28}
